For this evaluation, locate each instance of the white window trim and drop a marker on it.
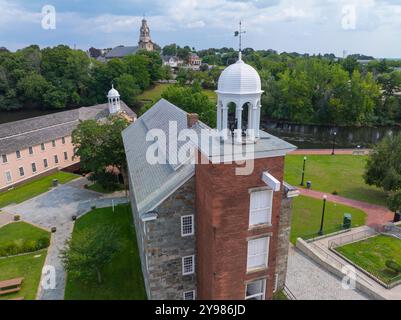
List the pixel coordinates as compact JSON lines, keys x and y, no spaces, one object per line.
{"x":54,"y":144}
{"x":189,"y":291}
{"x":262,"y":294}
{"x":65,"y":155}
{"x":20,"y":154}
{"x":44,"y":163}
{"x":44,"y":147}
{"x":264,"y":254}
{"x":193,"y":225}
{"x":54,"y":159}
{"x":23,"y":171}
{"x":36,"y":167}
{"x":2,"y":159}
{"x":193,"y":265}
{"x":29,"y":152}
{"x":269,"y":208}
{"x":11,"y":176}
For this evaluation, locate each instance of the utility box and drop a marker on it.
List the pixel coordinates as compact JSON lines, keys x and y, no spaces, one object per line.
{"x":347,"y":221}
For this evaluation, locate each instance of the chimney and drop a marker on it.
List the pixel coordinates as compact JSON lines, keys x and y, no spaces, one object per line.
{"x":193,"y":118}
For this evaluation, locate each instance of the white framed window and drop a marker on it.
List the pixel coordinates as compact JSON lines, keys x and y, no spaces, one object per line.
{"x":53,"y":143}
{"x":33,"y":167}
{"x":21,"y":171}
{"x":187,"y":226}
{"x":18,"y":154}
{"x":189,"y":295}
{"x":4,"y":158}
{"x":256,"y":290}
{"x":65,"y":156}
{"x":42,"y":147}
{"x":63,"y":140}
{"x":9,"y":177}
{"x":56,"y":159}
{"x":258,"y":253}
{"x":45,"y":163}
{"x":188,"y":265}
{"x":260,"y":211}
{"x":30,"y":149}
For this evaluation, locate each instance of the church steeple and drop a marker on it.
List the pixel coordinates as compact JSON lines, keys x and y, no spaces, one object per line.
{"x":145,"y":41}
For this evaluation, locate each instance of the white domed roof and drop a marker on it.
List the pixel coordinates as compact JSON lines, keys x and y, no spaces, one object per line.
{"x":239,"y":78}
{"x":113,"y":93}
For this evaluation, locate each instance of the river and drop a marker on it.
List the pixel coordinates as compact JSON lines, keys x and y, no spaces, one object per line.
{"x":303,"y":136}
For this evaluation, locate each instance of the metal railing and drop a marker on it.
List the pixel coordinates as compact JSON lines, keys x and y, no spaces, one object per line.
{"x":288,"y":293}
{"x":352,"y":237}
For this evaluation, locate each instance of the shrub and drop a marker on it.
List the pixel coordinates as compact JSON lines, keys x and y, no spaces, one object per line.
{"x":21,"y":246}
{"x":393,"y":266}
{"x":17,"y":217}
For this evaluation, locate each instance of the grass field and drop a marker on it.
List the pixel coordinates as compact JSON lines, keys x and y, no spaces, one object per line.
{"x":33,"y":188}
{"x":342,"y":174}
{"x":98,"y":188}
{"x":122,"y":277}
{"x":28,"y":266}
{"x":18,"y":231}
{"x":307,"y":214}
{"x":371,"y":254}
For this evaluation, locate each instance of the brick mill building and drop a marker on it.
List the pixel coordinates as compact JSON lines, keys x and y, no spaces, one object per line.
{"x":39,"y":146}
{"x":204,"y":231}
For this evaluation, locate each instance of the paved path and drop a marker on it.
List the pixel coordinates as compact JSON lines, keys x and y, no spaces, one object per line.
{"x":377,"y":215}
{"x":329,"y":151}
{"x":55,"y":209}
{"x":5,"y":218}
{"x":308,"y":281}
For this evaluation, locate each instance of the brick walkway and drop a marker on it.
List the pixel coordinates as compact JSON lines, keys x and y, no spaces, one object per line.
{"x":328,"y":151}
{"x":377,"y":215}
{"x":5,"y":218}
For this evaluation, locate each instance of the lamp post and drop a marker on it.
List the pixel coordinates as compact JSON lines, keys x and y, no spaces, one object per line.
{"x":303,"y":172}
{"x":334,"y":143}
{"x":323,"y":212}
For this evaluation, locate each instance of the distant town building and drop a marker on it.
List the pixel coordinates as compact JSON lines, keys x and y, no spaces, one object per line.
{"x":194,"y":60}
{"x":172,"y":61}
{"x":203,"y":231}
{"x":39,"y":146}
{"x":145,"y":43}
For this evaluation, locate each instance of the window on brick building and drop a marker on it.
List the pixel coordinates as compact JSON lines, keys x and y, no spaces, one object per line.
{"x":21,"y":171}
{"x":65,"y":156}
{"x":188,"y":265}
{"x":33,"y":167}
{"x":63,"y":140}
{"x":56,"y":159}
{"x":4,"y":158}
{"x":258,"y":252}
{"x":30,"y":150}
{"x":189,"y":295}
{"x":187,"y":226}
{"x":261,"y":207}
{"x":18,"y":154}
{"x":42,"y":147}
{"x":256,"y":290}
{"x":45,"y":163}
{"x":53,"y":143}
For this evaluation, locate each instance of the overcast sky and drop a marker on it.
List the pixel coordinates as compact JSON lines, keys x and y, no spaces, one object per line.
{"x":315,"y":26}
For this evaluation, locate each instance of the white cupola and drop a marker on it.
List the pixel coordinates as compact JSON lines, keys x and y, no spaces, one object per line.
{"x":114,"y":101}
{"x":240,"y":90}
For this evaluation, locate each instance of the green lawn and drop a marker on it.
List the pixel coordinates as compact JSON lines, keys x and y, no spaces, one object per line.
{"x":98,"y":188}
{"x":371,"y":254}
{"x":122,"y":277}
{"x":154,"y":94}
{"x":33,"y":188}
{"x":341,"y":173}
{"x":28,"y":266}
{"x":21,"y":231}
{"x":307,"y":214}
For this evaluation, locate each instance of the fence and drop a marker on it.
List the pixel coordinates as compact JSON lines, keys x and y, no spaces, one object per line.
{"x":289,"y":294}
{"x":352,"y":237}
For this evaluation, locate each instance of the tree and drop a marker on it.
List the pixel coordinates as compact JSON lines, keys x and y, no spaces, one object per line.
{"x":137,"y":66}
{"x":33,"y":87}
{"x":55,"y":98}
{"x":192,"y":100}
{"x":383,"y":169}
{"x":170,"y":50}
{"x":128,"y":88}
{"x":89,"y":251}
{"x":99,"y":145}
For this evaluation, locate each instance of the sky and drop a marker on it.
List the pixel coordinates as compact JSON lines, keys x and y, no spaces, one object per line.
{"x":371,"y":27}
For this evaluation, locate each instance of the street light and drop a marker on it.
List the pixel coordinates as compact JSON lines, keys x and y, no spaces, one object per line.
{"x":323,"y":211}
{"x":303,"y":172}
{"x":334,"y":143}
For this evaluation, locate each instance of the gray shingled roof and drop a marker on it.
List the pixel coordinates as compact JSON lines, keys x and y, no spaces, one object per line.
{"x":152,"y":183}
{"x":121,"y":52}
{"x":22,"y":134}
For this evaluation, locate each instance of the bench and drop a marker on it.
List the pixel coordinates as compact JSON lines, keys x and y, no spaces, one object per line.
{"x":10,"y":286}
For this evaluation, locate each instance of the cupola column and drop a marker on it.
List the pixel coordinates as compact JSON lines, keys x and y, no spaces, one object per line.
{"x":225,"y":122}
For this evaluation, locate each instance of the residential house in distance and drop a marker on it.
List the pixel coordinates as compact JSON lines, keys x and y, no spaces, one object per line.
{"x":145,"y":43}
{"x":172,"y":61}
{"x":39,"y":146}
{"x":194,"y":61}
{"x":204,"y":231}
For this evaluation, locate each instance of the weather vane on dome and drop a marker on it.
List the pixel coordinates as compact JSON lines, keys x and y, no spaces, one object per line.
{"x":239,"y":34}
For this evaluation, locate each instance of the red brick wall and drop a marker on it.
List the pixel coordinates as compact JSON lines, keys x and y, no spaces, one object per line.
{"x":222,"y":201}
